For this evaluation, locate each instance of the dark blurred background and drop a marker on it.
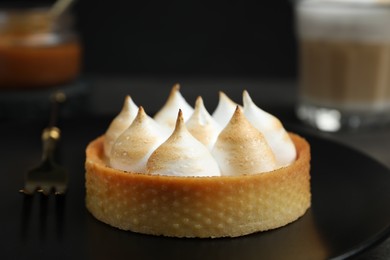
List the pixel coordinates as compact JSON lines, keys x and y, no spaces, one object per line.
{"x":193,"y":37}
{"x":150,"y":44}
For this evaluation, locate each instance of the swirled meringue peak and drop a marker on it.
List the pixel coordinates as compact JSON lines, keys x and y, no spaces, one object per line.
{"x":273,"y":130}
{"x":202,"y":125}
{"x":132,"y":148}
{"x":241,"y":149}
{"x":224,"y":110}
{"x":167,"y":115}
{"x":182,"y":155}
{"x":120,"y":123}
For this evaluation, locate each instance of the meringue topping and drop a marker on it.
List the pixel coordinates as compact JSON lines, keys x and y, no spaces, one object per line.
{"x":132,"y":148}
{"x":120,"y":123}
{"x":273,"y":130}
{"x":224,"y":110}
{"x":241,"y":149}
{"x":182,"y":155}
{"x":168,"y":113}
{"x":202,"y":125}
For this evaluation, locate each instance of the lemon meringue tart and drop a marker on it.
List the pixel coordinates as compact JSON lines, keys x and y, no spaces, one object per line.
{"x":172,"y":182}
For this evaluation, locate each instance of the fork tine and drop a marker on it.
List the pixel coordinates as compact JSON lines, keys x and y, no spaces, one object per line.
{"x":28,"y":189}
{"x":26,"y":192}
{"x":45,"y":189}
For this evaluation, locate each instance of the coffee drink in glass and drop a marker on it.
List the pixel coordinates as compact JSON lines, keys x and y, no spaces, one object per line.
{"x":344,"y":57}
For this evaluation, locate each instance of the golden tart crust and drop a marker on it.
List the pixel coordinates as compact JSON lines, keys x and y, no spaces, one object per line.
{"x":226,"y":206}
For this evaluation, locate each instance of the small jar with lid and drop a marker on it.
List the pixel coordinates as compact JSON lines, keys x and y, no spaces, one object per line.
{"x":37,"y":50}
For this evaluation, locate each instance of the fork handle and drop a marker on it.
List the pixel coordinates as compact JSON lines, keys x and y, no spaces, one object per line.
{"x":50,"y":137}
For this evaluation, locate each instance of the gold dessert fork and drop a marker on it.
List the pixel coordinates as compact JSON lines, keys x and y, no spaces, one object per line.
{"x":48,"y":176}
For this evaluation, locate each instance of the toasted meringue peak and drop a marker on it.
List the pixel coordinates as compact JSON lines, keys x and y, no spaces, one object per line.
{"x":132,"y":148}
{"x":202,"y":125}
{"x":241,"y":149}
{"x":273,"y":130}
{"x":182,"y":155}
{"x":225,"y":109}
{"x":168,"y":113}
{"x":120,"y":123}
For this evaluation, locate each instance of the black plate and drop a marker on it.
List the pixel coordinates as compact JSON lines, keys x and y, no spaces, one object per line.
{"x":350,"y":209}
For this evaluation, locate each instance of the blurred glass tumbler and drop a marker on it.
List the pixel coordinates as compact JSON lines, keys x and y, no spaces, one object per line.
{"x":36,"y":50}
{"x":344,"y":48}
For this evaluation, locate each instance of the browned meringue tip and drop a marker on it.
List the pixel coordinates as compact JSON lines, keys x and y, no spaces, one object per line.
{"x":179,"y":121}
{"x":222,"y":95}
{"x":141,"y":110}
{"x":175,"y":88}
{"x":239,"y":120}
{"x":237,"y":116}
{"x":140,"y":114}
{"x":246,"y":98}
{"x":127,"y":102}
{"x":127,"y":98}
{"x":198,"y":102}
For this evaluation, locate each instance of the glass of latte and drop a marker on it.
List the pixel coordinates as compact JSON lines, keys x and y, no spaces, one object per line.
{"x":344,"y":63}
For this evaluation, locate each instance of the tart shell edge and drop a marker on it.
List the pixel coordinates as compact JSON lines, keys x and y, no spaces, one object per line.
{"x":204,"y":207}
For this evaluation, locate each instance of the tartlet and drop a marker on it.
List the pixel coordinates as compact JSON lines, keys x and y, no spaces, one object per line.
{"x":222,"y":206}
{"x":229,"y":174}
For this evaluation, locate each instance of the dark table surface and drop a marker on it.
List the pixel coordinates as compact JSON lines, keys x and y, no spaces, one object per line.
{"x":99,"y":97}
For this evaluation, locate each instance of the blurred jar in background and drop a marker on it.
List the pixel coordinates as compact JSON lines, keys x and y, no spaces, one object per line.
{"x":344,"y":63}
{"x":37,"y":51}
